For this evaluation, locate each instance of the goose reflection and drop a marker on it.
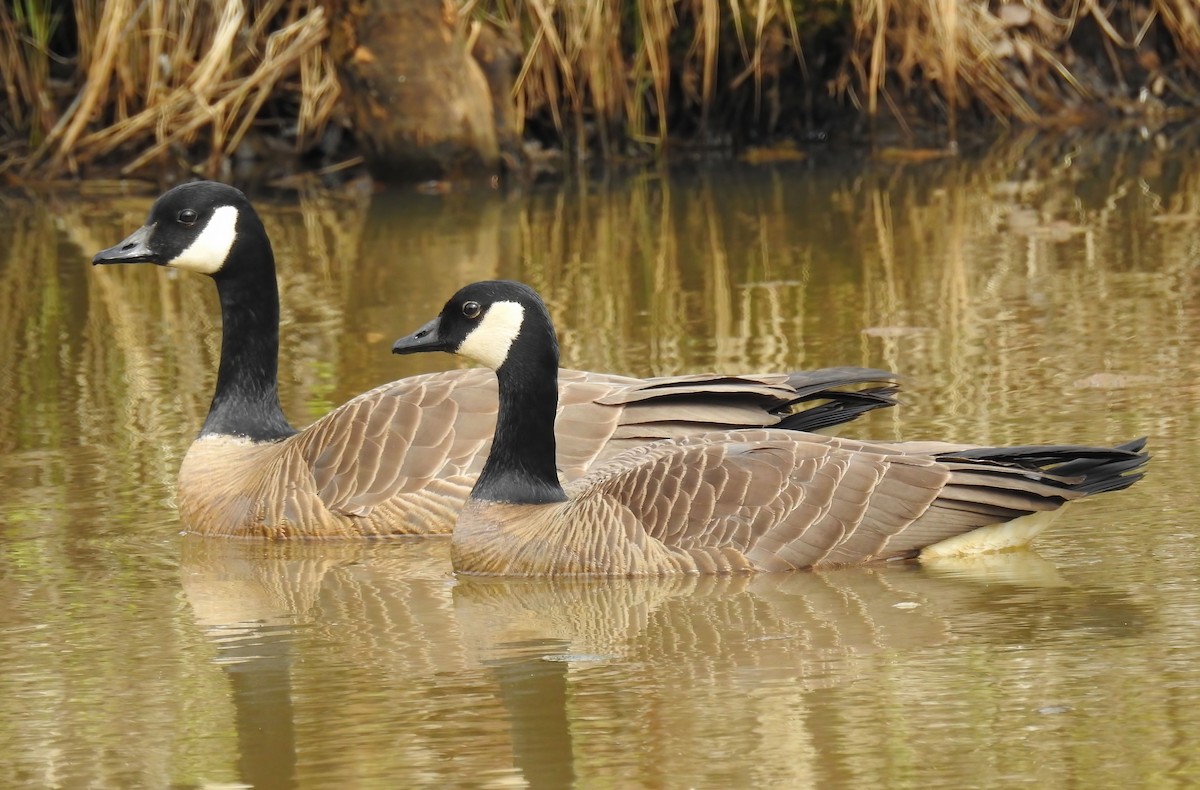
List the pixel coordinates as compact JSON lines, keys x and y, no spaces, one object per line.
{"x":350,"y":655}
{"x":310,"y":638}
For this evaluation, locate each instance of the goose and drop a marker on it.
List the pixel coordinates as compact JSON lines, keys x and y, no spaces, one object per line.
{"x":727,"y":501}
{"x":401,"y":458}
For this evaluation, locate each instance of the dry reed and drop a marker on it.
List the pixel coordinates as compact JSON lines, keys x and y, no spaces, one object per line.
{"x":167,"y":83}
{"x":652,"y":72}
{"x":156,"y":78}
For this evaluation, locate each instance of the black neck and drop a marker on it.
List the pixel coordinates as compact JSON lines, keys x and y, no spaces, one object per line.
{"x":246,"y":401}
{"x":521,"y":466}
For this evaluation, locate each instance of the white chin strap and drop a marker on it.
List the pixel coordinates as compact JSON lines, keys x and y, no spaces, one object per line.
{"x":208,"y":252}
{"x":488,"y":343}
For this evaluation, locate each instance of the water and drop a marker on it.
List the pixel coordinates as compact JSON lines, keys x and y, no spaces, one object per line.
{"x":1048,"y":292}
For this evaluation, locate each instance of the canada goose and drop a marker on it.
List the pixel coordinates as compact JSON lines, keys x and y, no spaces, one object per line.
{"x":401,"y":458}
{"x":743,"y":500}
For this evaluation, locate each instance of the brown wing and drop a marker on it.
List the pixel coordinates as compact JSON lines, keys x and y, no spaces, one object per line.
{"x":782,"y":500}
{"x":399,"y":437}
{"x":676,"y":407}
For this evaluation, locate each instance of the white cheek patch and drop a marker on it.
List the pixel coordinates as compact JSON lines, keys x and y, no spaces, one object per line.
{"x":208,"y":252}
{"x":488,"y":343}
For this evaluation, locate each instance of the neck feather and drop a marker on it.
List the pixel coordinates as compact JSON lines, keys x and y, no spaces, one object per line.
{"x":521,"y":466}
{"x":246,"y":401}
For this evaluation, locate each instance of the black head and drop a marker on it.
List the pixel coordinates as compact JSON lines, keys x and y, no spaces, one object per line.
{"x":193,"y":226}
{"x":484,"y":322}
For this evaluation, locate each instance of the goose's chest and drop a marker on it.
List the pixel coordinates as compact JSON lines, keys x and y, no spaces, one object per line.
{"x":224,"y":484}
{"x":575,"y":538}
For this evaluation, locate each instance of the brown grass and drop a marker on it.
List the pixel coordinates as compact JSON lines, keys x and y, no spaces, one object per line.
{"x":158,"y":77}
{"x":26,"y":27}
{"x":630,"y":69}
{"x":1033,"y":63}
{"x":155,"y":82}
{"x":655,"y":67}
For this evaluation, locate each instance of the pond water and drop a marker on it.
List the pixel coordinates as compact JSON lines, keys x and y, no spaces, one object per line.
{"x":1046,"y":292}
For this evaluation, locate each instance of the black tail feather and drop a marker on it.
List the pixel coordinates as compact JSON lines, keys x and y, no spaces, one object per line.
{"x":816,"y":383}
{"x":839,"y":407}
{"x":1087,"y":470}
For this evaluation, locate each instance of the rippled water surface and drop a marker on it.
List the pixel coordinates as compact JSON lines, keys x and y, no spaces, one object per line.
{"x":1045,"y":293}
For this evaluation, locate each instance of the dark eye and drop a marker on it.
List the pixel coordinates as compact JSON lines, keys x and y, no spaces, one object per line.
{"x":471,"y":309}
{"x":187,"y":217}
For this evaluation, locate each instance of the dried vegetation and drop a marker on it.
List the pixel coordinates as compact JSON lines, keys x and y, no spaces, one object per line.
{"x":184,"y":84}
{"x":151,"y":80}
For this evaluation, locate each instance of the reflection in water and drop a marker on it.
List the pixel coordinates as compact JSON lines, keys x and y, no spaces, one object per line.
{"x":1035,"y":295}
{"x":614,"y":679}
{"x":535,"y":695}
{"x":259,"y":671}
